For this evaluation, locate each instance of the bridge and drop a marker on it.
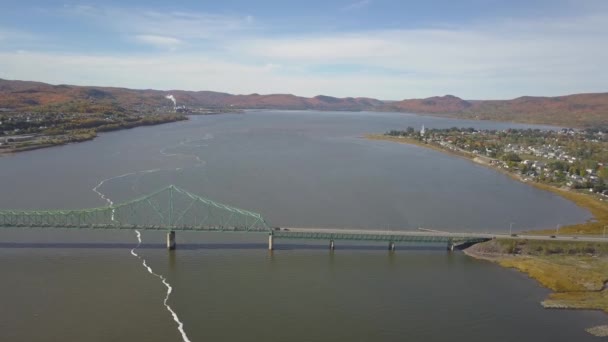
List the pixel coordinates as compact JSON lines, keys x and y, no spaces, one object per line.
{"x":173,"y":209}
{"x":452,"y":240}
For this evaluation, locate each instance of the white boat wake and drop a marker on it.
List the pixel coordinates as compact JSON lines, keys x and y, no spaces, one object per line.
{"x":163,"y":152}
{"x":103,"y":197}
{"x":188,"y":143}
{"x":180,"y":324}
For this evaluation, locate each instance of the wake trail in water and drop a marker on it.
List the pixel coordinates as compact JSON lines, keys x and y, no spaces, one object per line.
{"x":188,"y":143}
{"x":103,"y":197}
{"x":180,"y":324}
{"x":163,"y":152}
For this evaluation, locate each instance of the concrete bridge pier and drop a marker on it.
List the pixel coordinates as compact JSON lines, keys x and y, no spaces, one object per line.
{"x":332,"y":246}
{"x":450,"y":246}
{"x":391,"y":246}
{"x":171,"y":240}
{"x":270,"y":242}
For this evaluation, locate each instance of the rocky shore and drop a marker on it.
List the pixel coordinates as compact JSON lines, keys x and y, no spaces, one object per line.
{"x":577,"y":272}
{"x":599,"y":331}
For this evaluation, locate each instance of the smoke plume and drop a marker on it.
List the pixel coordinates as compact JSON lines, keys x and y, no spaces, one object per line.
{"x":172,"y":98}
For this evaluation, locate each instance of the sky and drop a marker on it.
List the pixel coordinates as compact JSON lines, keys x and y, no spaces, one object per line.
{"x":390,"y":50}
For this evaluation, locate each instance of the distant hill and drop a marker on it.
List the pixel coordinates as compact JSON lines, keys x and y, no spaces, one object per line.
{"x":27,"y":96}
{"x":432,"y":105}
{"x":582,"y":110}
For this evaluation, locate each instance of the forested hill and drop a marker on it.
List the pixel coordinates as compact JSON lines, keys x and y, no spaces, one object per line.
{"x":36,"y":96}
{"x":581,"y":110}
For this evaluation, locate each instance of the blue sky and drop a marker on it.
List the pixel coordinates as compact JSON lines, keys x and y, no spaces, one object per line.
{"x":475,"y":49}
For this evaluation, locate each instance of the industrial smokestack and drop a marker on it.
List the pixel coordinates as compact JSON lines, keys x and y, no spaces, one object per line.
{"x":172,"y":98}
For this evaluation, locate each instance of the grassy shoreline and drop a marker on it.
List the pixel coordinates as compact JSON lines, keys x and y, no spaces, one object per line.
{"x":576,"y":272}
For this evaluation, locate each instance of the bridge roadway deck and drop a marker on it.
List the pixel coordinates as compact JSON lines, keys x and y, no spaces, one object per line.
{"x":394,"y":236}
{"x":416,"y":236}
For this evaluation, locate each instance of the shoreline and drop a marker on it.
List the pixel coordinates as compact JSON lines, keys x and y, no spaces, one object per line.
{"x":13,"y":151}
{"x":82,"y":135}
{"x":577,"y":274}
{"x":598,"y":209}
{"x":578,"y":281}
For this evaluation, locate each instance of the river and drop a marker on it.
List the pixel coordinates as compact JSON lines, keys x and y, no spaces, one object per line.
{"x":296,"y":168}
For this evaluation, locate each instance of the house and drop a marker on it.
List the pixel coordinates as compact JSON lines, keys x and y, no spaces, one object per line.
{"x":577,"y":178}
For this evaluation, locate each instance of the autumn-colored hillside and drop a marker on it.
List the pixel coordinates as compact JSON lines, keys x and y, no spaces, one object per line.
{"x":33,"y":96}
{"x":582,"y":110}
{"x":432,"y":105}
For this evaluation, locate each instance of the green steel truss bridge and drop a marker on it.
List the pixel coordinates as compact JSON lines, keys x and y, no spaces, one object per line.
{"x":174,"y":209}
{"x":170,"y":208}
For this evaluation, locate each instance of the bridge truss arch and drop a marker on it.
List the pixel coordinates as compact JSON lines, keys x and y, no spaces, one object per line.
{"x":170,"y":208}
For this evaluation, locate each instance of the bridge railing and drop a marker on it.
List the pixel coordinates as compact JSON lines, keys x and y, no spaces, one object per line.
{"x":371,"y":235}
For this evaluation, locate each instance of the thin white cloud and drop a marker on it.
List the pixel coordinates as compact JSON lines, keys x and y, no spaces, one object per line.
{"x":12,"y":35}
{"x":483,"y":50}
{"x":498,"y":59}
{"x":162,"y":42}
{"x":178,"y":24}
{"x":357,"y":5}
{"x":165,"y":71}
{"x":195,"y":72}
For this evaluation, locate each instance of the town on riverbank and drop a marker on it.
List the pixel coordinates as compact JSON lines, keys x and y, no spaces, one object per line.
{"x":32,"y":130}
{"x":28,"y":131}
{"x":567,"y":157}
{"x":570,"y":163}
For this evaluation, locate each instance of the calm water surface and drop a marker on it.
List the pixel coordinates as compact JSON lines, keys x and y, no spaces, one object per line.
{"x":297,"y":169}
